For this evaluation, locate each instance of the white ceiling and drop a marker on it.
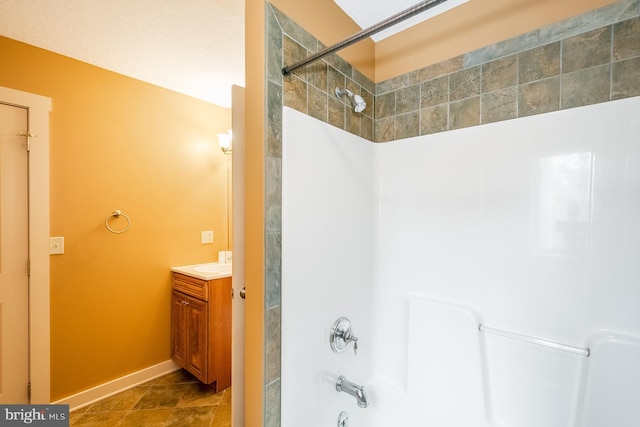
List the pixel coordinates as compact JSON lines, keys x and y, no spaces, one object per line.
{"x":195,"y":47}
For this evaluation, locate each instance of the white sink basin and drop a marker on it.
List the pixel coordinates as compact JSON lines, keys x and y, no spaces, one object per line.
{"x":213,"y":268}
{"x":209,"y":271}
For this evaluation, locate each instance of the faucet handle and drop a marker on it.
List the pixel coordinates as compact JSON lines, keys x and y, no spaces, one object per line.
{"x":341,"y":336}
{"x":349,"y":337}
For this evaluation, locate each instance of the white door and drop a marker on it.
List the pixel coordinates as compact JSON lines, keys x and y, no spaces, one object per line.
{"x":237,"y":351}
{"x":14,"y":254}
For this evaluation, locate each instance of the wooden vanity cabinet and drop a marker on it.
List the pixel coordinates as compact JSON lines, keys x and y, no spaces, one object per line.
{"x":201,"y":328}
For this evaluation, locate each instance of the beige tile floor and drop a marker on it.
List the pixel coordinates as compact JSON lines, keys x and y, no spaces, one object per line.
{"x":176,"y":399}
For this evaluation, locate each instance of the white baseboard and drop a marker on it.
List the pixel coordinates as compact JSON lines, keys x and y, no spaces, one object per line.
{"x":92,"y":395}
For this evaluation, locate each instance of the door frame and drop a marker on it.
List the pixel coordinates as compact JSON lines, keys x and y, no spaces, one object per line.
{"x":38,"y":108}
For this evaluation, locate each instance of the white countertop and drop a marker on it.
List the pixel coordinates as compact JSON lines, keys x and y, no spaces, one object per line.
{"x":208,"y":271}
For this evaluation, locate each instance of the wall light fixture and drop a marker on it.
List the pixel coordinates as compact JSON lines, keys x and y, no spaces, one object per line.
{"x":225,"y":141}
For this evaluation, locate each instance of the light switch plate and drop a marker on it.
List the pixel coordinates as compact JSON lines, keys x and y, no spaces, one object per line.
{"x":207,"y":237}
{"x":56,"y":245}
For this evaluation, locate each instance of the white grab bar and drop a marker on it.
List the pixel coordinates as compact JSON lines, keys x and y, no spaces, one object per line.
{"x":534,"y":340}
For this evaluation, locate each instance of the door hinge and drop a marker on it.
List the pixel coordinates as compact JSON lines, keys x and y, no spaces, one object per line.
{"x":28,"y":135}
{"x":29,"y":392}
{"x":28,"y":267}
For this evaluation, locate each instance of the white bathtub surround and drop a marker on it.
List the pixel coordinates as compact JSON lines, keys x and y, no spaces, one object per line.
{"x":326,"y":271}
{"x":607,"y":390}
{"x":530,"y":226}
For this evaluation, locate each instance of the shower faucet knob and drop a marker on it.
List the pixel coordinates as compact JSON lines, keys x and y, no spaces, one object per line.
{"x":349,"y":337}
{"x":341,"y":335}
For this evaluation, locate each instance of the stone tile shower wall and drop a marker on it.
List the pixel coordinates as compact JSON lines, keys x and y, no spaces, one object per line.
{"x":310,"y":89}
{"x":584,"y":60}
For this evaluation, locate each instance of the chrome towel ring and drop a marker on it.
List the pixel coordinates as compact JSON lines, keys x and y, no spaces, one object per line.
{"x":117,"y":214}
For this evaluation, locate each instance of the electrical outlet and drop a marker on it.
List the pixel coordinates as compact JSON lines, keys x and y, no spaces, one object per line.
{"x":207,"y":237}
{"x":56,"y":245}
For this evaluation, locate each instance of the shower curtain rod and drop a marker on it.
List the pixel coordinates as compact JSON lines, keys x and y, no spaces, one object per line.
{"x":383,"y":25}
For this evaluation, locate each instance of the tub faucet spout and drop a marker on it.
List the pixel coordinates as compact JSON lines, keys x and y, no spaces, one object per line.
{"x":354,"y":390}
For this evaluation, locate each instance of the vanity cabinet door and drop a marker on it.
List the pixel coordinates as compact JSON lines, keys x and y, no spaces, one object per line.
{"x":189,"y":319}
{"x":197,"y":343}
{"x":178,"y":325}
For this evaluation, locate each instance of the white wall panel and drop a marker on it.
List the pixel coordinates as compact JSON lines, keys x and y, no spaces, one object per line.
{"x":327,"y":252}
{"x":531,"y":224}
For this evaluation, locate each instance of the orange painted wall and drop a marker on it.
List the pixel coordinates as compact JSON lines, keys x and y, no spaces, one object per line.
{"x":475,"y":24}
{"x":119,"y":143}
